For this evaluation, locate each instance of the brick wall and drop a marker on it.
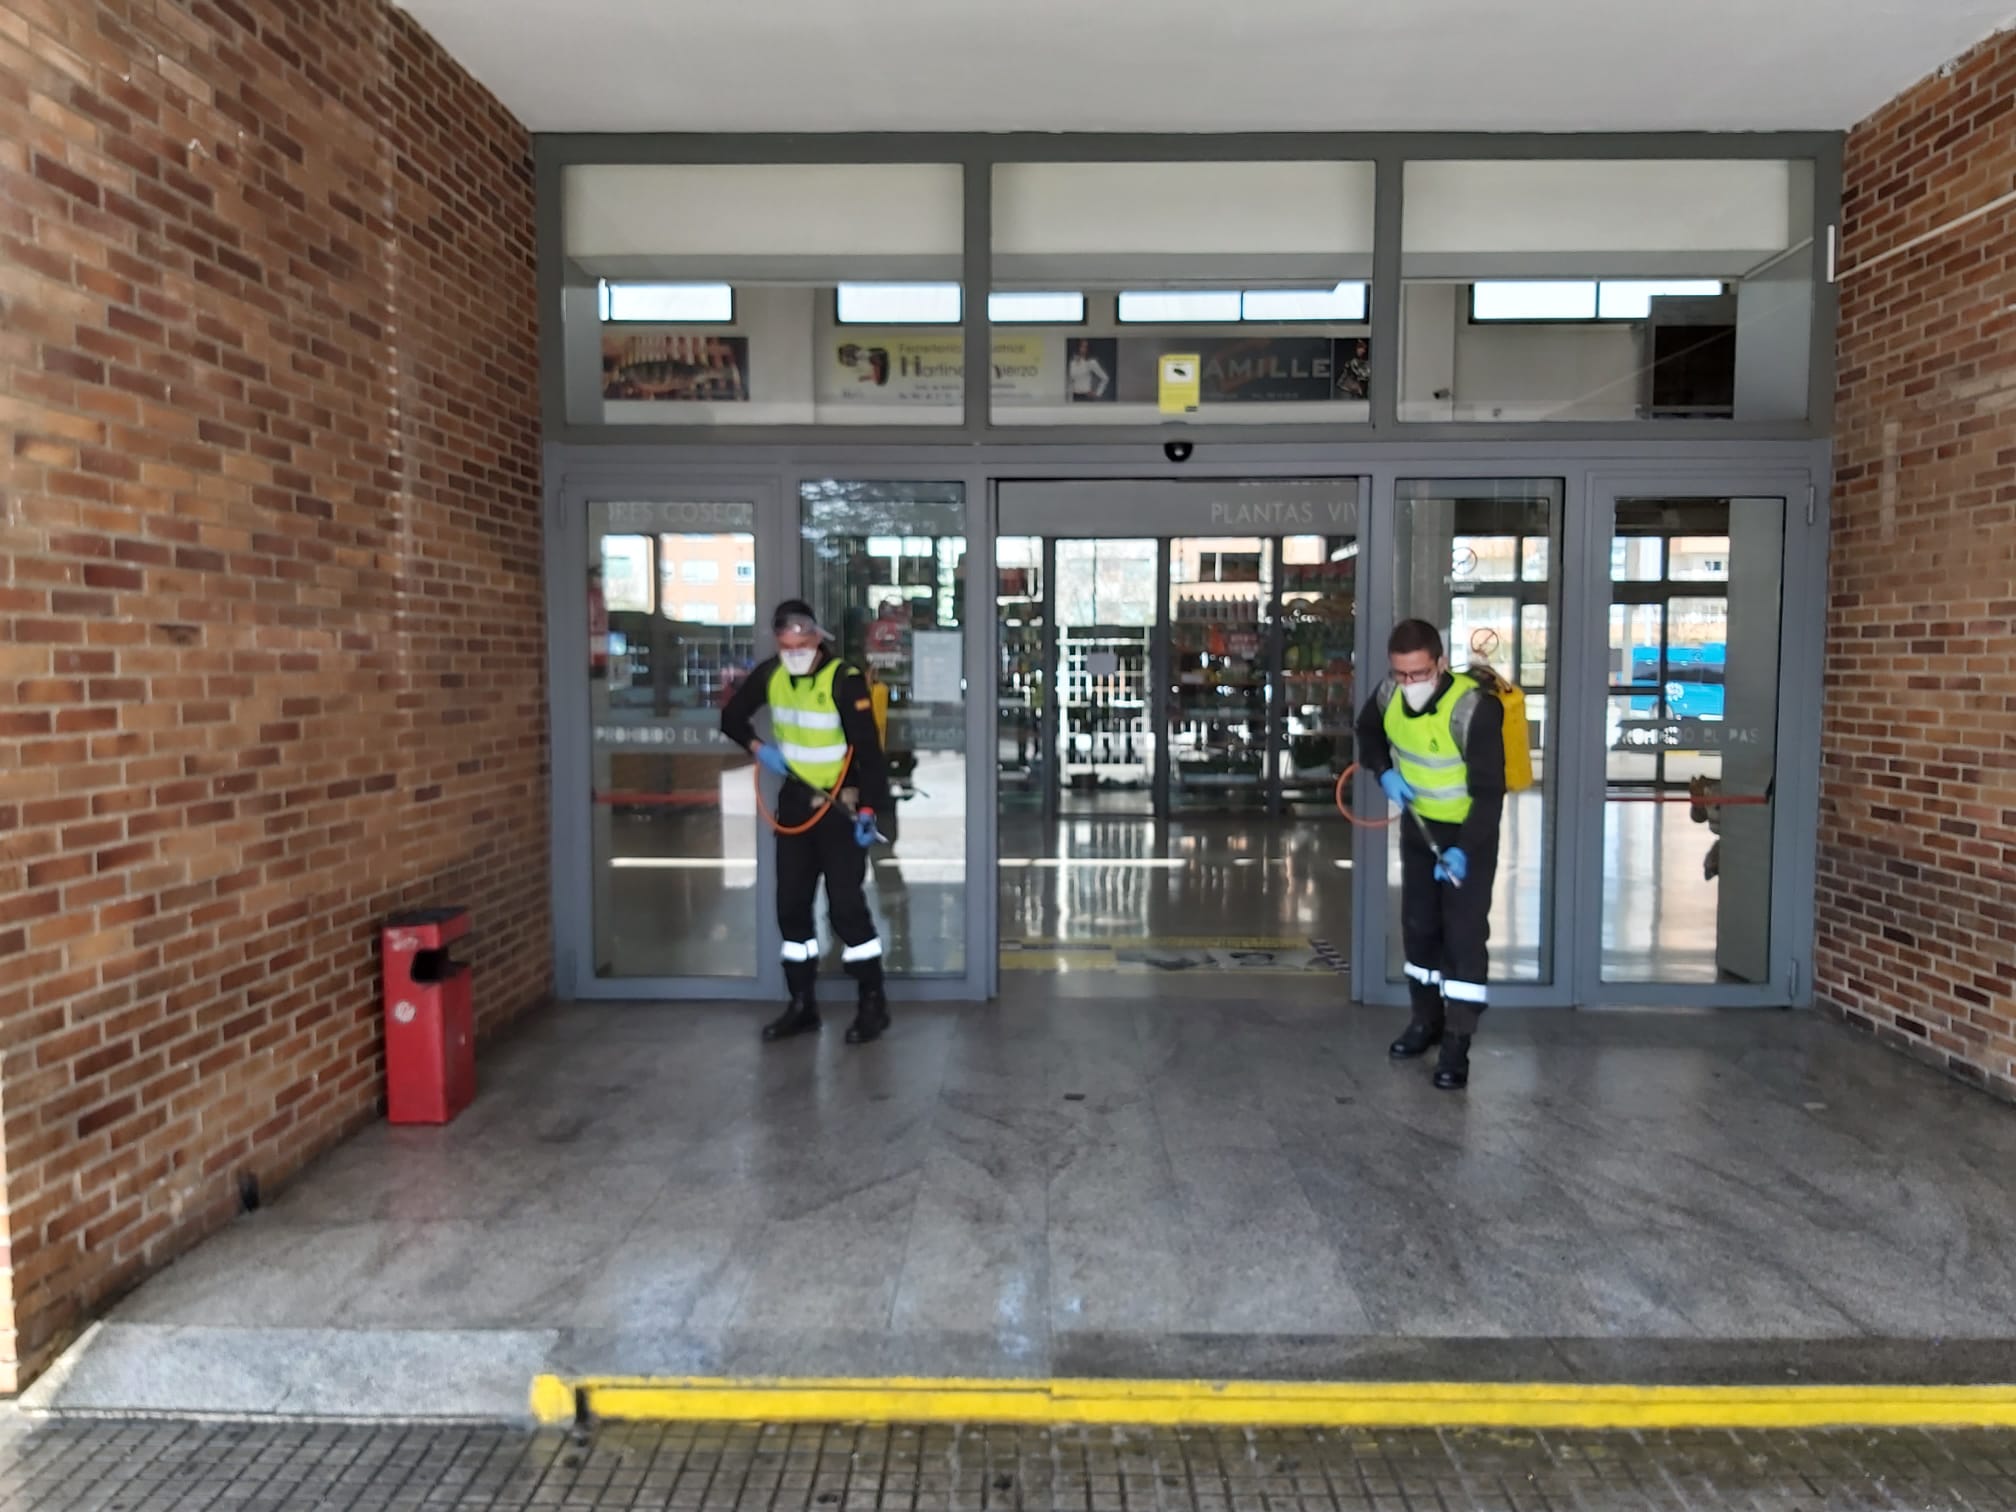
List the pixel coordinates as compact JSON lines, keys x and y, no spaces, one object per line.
{"x":1918,"y":825}
{"x":269,"y":578}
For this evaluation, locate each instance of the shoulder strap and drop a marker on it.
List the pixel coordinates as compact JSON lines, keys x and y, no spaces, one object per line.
{"x":1383,"y":694}
{"x":1459,"y":718}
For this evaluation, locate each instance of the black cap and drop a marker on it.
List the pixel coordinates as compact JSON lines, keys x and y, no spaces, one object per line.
{"x":796,"y":614}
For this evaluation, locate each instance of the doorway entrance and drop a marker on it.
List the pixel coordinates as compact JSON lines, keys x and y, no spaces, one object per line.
{"x":1151,"y":780}
{"x":1174,"y":705}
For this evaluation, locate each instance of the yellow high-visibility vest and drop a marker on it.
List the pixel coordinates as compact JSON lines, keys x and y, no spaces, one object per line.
{"x":1428,"y":753}
{"x":805,"y":723}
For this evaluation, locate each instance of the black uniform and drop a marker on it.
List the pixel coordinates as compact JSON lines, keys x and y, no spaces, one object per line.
{"x":1447,"y":930}
{"x":828,"y":849}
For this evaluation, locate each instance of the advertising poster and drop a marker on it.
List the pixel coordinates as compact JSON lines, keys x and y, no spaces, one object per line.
{"x":1025,"y":370}
{"x":929,"y":367}
{"x":898,"y":367}
{"x":668,"y":367}
{"x":1093,"y":370}
{"x":1354,"y":368}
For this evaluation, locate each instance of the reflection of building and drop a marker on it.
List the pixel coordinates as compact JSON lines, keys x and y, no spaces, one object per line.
{"x":705,"y":579}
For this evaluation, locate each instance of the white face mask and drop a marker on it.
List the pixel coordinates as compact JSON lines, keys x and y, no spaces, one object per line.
{"x":799,"y":663}
{"x":1419,"y":695}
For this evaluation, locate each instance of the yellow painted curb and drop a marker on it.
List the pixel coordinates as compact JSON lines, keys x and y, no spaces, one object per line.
{"x":1201,"y":1404}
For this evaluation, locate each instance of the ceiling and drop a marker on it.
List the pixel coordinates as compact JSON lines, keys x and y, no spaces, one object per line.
{"x":1202,"y":65}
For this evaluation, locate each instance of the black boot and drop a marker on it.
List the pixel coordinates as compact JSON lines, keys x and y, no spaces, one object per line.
{"x":1452,"y":1068}
{"x":871,"y":1018}
{"x":802,"y":1017}
{"x":1425,"y":1032}
{"x":1416,"y":1042}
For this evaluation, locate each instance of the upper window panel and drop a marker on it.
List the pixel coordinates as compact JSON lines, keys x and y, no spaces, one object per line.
{"x":1256,"y":270}
{"x":1670,"y":289}
{"x":717,"y":294}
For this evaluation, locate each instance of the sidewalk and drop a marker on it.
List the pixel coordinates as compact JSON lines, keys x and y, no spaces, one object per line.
{"x":183,"y":1467}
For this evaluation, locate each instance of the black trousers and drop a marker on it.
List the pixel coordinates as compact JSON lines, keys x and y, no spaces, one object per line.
{"x":826,"y":851}
{"x":1446,"y":930}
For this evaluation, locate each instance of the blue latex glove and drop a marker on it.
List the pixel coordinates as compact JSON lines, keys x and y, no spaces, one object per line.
{"x":773,"y":760}
{"x":865,"y":833}
{"x":1396,"y":787}
{"x":1453,"y":867}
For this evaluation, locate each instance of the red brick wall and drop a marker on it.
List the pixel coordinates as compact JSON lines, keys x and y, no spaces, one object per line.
{"x":270,"y":583}
{"x":1917,"y":887}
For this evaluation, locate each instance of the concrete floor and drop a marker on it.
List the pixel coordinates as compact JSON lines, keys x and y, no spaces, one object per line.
{"x":1122,"y":1176}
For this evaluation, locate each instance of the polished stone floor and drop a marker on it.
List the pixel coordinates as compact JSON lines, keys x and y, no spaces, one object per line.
{"x":1130,"y":1177}
{"x":678,"y":892}
{"x":719,"y":1467}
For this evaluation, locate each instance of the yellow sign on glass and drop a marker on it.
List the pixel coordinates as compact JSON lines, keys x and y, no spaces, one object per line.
{"x":1180,"y":382}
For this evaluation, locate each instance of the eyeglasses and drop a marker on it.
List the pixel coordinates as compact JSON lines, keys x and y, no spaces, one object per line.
{"x":1404,"y":678}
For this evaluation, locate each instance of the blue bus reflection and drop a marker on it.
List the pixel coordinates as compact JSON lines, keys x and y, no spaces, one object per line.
{"x":1693,"y":680}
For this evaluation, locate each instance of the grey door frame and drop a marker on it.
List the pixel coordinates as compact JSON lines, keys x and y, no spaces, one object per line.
{"x":1796,"y":792}
{"x":568,"y":498}
{"x":574,"y":481}
{"x":1743,"y":468}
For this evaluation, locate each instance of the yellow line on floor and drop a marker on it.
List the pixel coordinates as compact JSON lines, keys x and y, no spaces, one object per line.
{"x":1060,"y":960}
{"x":1173,"y":942}
{"x":1425,"y":1404}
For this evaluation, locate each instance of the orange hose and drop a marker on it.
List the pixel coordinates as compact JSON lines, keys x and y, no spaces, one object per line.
{"x":1343,"y":782}
{"x":824,"y":809}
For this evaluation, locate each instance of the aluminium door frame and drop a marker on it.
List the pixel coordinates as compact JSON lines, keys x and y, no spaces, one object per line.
{"x":571,"y":797}
{"x":652,"y":471}
{"x":1795,"y":807}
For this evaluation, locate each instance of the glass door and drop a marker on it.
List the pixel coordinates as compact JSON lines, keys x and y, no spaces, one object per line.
{"x":1690,"y":689}
{"x":1222,"y":670}
{"x":885,"y":567}
{"x":672,"y":842}
{"x":1474,"y":558}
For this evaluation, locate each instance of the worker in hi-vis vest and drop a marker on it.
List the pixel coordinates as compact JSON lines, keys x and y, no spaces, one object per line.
{"x":1436,"y":742}
{"x":825,"y":746}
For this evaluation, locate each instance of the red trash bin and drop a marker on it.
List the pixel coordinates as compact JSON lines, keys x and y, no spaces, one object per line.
{"x":430,"y":1026}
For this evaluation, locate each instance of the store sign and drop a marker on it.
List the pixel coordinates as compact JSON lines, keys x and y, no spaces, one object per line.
{"x":1246,"y":369}
{"x":1646,"y":735}
{"x":1327,"y":515}
{"x":1269,"y":370}
{"x":909,"y":367}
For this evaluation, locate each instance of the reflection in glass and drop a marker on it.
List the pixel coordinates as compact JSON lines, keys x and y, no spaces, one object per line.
{"x":1319,"y":632}
{"x":885,"y":569}
{"x":1221,"y":610}
{"x":1471,"y":558}
{"x":1106,"y":591}
{"x":1691,"y":741}
{"x":673,"y":838}
{"x":1019,"y":692}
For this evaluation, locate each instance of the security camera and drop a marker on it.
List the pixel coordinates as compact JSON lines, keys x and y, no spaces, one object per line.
{"x":1177,"y":451}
